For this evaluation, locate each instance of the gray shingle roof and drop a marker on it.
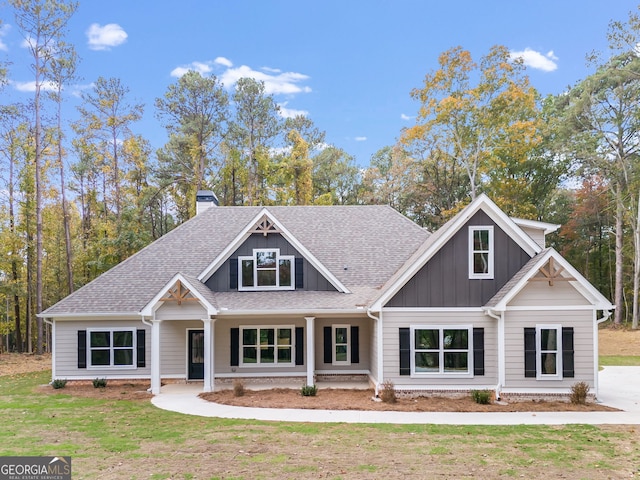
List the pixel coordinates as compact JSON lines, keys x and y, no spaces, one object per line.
{"x":372,"y":242}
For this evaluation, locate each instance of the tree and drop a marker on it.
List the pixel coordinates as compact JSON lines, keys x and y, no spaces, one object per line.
{"x":252,"y":133}
{"x":42,"y":24}
{"x":335,"y":178}
{"x":482,"y":116}
{"x":194,"y":111}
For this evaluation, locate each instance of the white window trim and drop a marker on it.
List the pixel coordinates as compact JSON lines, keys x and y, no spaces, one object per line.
{"x":441,"y":374}
{"x":490,"y":259}
{"x":111,"y":366}
{"x":277,"y":286}
{"x":275,"y":363}
{"x":334,"y":345}
{"x":539,"y":374}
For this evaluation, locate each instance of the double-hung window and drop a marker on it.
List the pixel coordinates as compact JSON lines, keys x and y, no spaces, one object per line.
{"x":481,"y":252}
{"x":111,"y":348}
{"x":341,"y":344}
{"x":442,"y":350}
{"x":267,"y":346}
{"x":549,"y":351}
{"x":266,"y":269}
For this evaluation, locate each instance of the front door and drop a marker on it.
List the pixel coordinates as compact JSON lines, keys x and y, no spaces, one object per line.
{"x":196,"y":354}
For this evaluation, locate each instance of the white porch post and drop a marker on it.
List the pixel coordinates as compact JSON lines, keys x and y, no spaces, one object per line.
{"x":502,"y":360}
{"x":155,"y":356}
{"x":209,"y":380}
{"x":311,"y":353}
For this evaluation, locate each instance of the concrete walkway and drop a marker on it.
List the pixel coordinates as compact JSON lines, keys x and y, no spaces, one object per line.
{"x":619,"y":388}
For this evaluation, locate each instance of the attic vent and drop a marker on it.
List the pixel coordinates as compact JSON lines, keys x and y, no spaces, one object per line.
{"x":179,"y":293}
{"x":265,"y":226}
{"x":551,"y":273}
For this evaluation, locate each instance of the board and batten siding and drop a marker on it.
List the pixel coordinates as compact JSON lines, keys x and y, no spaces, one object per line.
{"x":313,"y":280}
{"x":516,"y":321}
{"x":444,"y":280}
{"x":66,"y":350}
{"x":394,"y":320}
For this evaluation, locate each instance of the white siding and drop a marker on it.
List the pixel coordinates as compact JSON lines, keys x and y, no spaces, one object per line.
{"x":536,"y":234}
{"x":173,"y":346}
{"x":394,"y":320}
{"x":538,"y":293}
{"x":517,"y":321}
{"x":364,"y":332}
{"x":66,"y":344}
{"x":186,"y":311}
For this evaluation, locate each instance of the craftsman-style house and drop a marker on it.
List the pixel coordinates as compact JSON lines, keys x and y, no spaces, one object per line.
{"x":317,"y":292}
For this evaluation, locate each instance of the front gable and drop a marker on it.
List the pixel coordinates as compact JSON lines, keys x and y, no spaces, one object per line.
{"x":444,"y":280}
{"x":266,"y":232}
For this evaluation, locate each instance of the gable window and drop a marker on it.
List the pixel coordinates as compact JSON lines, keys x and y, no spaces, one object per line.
{"x":111,"y":348}
{"x":266,"y":346}
{"x":481,"y":252}
{"x":439,"y":350}
{"x":266,"y":269}
{"x":548,"y":352}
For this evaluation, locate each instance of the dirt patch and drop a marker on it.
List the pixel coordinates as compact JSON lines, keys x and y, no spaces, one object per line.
{"x":16,"y":363}
{"x":346,"y":399}
{"x":115,"y":390}
{"x":619,"y":341}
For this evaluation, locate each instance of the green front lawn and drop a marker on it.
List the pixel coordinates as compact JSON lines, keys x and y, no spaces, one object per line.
{"x":133,"y":439}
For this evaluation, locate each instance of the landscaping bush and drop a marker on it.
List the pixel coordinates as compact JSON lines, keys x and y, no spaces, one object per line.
{"x":99,"y":382}
{"x":58,"y":383}
{"x":481,"y":396}
{"x":309,"y":390}
{"x":238,"y":388}
{"x":579,"y":393}
{"x":388,"y":392}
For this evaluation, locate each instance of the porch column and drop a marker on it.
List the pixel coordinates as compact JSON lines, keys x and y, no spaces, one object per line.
{"x":155,"y":356}
{"x":208,"y":354}
{"x":311,"y":352}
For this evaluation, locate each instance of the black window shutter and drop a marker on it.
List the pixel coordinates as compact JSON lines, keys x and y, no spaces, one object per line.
{"x":567,"y":352}
{"x":82,"y":349}
{"x":233,"y":273}
{"x":299,"y":345}
{"x":405,"y":351}
{"x":478,"y":351}
{"x":299,"y":266}
{"x":140,"y":348}
{"x":355,"y":344}
{"x":235,"y":347}
{"x":530,"y":352}
{"x":328,"y":354}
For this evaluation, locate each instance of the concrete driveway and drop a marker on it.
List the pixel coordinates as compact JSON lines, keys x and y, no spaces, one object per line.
{"x":619,"y":388}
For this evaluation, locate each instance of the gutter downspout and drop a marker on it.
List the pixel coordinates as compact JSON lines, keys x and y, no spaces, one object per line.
{"x":379,"y":372}
{"x":596,"y":361}
{"x":53,"y":347}
{"x":501,"y":347}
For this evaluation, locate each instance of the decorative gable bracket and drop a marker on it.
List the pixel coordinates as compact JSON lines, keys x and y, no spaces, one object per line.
{"x":265,"y":226}
{"x":552,"y":272}
{"x":179,"y":293}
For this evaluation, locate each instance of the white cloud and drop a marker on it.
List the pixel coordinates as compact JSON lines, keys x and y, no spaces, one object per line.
{"x":360,"y":139}
{"x":290,"y":112}
{"x":4,"y":30}
{"x":201,"y":67}
{"x":531,"y":58}
{"x":275,"y":83}
{"x":223,"y":61}
{"x":105,"y":37}
{"x":405,"y":117}
{"x":31,"y":86}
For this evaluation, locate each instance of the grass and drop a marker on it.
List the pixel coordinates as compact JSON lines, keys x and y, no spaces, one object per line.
{"x":619,"y":360}
{"x":133,"y":439}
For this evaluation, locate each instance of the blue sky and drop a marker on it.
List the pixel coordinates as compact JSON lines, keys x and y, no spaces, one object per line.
{"x":348,"y":65}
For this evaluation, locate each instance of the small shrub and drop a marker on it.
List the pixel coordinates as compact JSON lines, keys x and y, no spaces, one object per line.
{"x":58,"y":383}
{"x":579,"y":393}
{"x":238,"y":388}
{"x":388,"y":392}
{"x":99,"y":382}
{"x":481,"y":396}
{"x":309,"y":390}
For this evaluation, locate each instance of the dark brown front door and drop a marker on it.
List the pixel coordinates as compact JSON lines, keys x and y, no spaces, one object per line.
{"x":196,"y":354}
